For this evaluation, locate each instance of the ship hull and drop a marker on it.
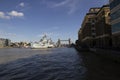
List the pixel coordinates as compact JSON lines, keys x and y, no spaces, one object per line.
{"x":37,"y":46}
{"x":43,"y":43}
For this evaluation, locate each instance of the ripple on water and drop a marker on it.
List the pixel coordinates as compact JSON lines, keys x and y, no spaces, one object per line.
{"x":55,"y":66}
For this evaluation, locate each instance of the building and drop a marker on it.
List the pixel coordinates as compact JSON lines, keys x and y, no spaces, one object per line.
{"x":115,"y":22}
{"x":80,"y":37}
{"x":96,"y":29}
{"x":4,"y":42}
{"x":88,"y":31}
{"x":103,"y":27}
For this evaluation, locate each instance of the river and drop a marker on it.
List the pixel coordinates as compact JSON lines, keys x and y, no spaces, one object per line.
{"x":41,"y":64}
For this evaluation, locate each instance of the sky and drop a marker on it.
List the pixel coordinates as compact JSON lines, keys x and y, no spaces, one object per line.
{"x":29,"y":20}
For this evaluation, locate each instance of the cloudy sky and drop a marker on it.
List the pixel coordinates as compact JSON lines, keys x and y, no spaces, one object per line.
{"x":28,"y":20}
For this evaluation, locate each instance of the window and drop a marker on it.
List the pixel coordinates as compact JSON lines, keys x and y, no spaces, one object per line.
{"x":114,"y":3}
{"x":115,"y":15}
{"x":116,"y":27}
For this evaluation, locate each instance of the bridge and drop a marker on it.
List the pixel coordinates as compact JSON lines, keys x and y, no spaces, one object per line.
{"x":61,"y":43}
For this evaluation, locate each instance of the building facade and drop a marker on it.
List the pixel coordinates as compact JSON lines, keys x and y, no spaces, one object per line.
{"x":96,"y":28}
{"x":115,"y":22}
{"x":103,"y":28}
{"x":88,"y":30}
{"x":4,"y":42}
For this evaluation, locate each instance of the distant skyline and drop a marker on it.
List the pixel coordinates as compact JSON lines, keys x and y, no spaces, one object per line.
{"x":28,"y":20}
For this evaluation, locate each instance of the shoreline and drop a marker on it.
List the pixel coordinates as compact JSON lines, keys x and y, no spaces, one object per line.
{"x":106,"y":53}
{"x":99,"y":67}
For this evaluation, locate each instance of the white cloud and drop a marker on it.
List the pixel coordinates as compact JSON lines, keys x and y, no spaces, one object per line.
{"x":22,"y":4}
{"x":7,"y":34}
{"x":70,"y":5}
{"x":9,"y":15}
{"x":61,"y":3}
{"x":49,"y":34}
{"x":73,"y":6}
{"x":3,"y":16}
{"x":16,"y":14}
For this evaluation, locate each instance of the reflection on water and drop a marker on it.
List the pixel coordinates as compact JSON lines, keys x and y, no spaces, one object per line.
{"x":50,"y":64}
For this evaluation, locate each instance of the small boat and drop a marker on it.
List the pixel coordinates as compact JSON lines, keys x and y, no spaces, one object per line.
{"x":43,"y":43}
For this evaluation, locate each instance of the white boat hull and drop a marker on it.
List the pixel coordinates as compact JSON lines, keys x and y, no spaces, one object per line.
{"x":38,"y":46}
{"x":43,"y":43}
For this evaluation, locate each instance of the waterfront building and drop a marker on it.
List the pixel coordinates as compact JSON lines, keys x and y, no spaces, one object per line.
{"x":103,"y":27}
{"x":4,"y":42}
{"x":8,"y":42}
{"x":96,"y":29}
{"x":88,"y":30}
{"x":80,"y":37}
{"x":115,"y":22}
{"x":20,"y":44}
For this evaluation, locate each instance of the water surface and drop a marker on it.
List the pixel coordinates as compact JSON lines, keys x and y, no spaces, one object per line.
{"x":45,"y":64}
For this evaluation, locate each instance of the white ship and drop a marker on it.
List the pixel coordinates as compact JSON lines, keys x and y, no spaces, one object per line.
{"x":43,"y":43}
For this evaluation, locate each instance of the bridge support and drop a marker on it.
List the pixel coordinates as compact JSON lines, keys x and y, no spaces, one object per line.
{"x":59,"y":42}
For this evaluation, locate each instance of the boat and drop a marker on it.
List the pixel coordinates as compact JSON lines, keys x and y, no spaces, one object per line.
{"x":43,"y":43}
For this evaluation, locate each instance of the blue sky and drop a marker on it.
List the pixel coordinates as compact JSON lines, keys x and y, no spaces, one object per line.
{"x":28,"y":20}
